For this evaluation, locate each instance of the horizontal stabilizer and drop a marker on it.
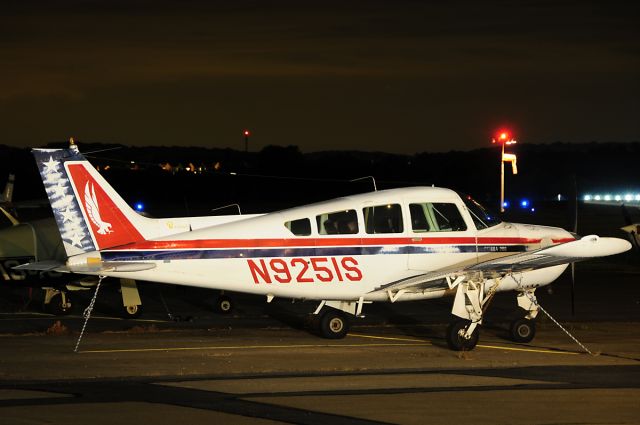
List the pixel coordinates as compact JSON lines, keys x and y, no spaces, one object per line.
{"x":111,"y":266}
{"x":108,"y":266}
{"x":41,"y":266}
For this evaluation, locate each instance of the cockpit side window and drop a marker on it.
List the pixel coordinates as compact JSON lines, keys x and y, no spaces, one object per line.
{"x":338,"y":223}
{"x":482,"y":218}
{"x":383,"y":219}
{"x":436,"y":217}
{"x":300,"y":227}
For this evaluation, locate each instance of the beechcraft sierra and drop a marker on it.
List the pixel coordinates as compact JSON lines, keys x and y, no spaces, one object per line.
{"x":392,"y":245}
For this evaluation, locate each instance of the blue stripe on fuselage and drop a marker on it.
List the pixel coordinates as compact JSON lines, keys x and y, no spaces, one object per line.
{"x":338,"y":251}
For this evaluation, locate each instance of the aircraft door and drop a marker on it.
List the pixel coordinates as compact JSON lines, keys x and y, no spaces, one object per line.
{"x":441,"y":235}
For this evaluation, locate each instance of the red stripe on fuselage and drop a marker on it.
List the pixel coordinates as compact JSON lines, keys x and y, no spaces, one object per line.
{"x":315,"y":242}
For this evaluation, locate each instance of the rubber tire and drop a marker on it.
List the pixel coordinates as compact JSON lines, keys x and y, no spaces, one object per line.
{"x":55,"y":305}
{"x":456,"y":342}
{"x":334,"y":324}
{"x":131,"y":311}
{"x":224,"y":305}
{"x":523,"y":330}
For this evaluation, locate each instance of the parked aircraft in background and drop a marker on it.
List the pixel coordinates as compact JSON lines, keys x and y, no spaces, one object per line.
{"x":632,"y":229}
{"x":7,"y":197}
{"x":39,"y":240}
{"x":386,"y":246}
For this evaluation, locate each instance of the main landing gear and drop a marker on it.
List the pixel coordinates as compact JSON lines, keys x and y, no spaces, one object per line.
{"x":471,"y":302}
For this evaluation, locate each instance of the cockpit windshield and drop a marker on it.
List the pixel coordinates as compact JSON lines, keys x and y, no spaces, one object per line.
{"x":482,"y":217}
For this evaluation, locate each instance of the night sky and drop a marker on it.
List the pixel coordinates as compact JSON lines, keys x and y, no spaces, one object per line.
{"x":397,"y":76}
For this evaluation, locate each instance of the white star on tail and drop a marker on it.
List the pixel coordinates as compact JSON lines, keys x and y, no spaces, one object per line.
{"x":76,"y":240}
{"x":67,"y":215}
{"x":51,"y":165}
{"x":93,"y":211}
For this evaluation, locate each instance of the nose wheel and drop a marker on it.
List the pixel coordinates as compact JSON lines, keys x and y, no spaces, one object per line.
{"x":523,"y":330}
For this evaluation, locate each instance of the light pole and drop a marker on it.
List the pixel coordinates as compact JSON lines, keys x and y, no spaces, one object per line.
{"x":504,"y":138}
{"x":246,"y":140}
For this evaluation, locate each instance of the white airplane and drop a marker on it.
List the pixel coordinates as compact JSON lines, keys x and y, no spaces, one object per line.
{"x":387,"y":246}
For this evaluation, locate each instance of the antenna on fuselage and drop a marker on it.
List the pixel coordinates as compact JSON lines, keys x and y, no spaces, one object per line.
{"x":375,"y":188}
{"x":228,"y":206}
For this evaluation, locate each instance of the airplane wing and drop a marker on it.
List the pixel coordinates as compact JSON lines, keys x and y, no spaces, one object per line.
{"x":583,"y":249}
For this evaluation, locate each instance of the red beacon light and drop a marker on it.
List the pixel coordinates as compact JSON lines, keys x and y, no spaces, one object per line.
{"x":504,"y":137}
{"x":246,"y":133}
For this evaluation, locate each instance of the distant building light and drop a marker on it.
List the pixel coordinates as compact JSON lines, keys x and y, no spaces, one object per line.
{"x":597,"y":197}
{"x":533,"y":210}
{"x":637,"y":197}
{"x":607,"y":197}
{"x":587,"y":197}
{"x":628,"y":197}
{"x":618,"y":198}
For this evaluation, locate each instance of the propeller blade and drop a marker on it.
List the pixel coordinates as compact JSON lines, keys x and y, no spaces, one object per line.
{"x":575,"y":232}
{"x":573,"y":287}
{"x":626,"y":215}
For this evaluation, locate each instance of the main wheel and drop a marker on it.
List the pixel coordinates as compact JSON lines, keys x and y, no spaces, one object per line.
{"x":334,"y":324}
{"x":131,"y":311}
{"x":523,"y":330}
{"x":224,"y":305}
{"x":59,"y":305}
{"x":455,"y":339}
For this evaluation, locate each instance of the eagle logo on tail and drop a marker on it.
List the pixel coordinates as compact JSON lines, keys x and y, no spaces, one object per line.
{"x":93,"y":210}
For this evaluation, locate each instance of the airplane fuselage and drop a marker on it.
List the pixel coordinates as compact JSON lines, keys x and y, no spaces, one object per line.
{"x":343,"y":263}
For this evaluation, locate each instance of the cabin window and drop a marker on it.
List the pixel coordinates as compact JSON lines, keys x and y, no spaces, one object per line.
{"x":338,"y":223}
{"x":436,"y":217}
{"x":383,"y":219}
{"x":300,"y":227}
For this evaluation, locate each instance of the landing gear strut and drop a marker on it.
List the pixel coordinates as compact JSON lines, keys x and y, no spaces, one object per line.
{"x":57,"y":302}
{"x":473,"y":296}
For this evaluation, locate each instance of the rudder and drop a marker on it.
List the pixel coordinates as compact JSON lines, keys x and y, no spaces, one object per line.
{"x":90,"y":214}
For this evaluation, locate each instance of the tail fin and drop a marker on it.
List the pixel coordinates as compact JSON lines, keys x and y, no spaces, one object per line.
{"x":90,"y":214}
{"x":7,"y":194}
